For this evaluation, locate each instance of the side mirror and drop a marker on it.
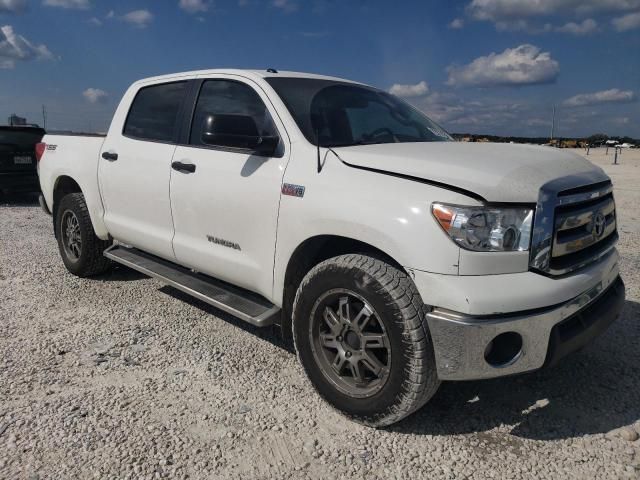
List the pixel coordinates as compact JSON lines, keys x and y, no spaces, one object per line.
{"x":237,"y":131}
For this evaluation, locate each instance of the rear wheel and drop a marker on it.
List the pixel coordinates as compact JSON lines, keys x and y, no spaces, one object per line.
{"x":360,"y":331}
{"x":81,"y":250}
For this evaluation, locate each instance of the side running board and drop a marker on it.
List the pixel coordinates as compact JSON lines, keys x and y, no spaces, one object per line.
{"x":236,"y":301}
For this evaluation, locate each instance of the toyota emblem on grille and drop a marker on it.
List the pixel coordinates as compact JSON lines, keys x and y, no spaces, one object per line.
{"x":599,"y":223}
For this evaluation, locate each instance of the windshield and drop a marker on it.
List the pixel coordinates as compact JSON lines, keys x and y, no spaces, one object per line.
{"x":338,"y":114}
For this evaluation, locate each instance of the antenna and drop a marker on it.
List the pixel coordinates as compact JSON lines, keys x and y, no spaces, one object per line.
{"x":44,"y":117}
{"x":553,"y":122}
{"x":318,"y":149}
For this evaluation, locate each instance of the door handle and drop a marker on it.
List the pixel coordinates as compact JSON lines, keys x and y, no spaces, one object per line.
{"x":183,"y":167}
{"x":112,"y":157}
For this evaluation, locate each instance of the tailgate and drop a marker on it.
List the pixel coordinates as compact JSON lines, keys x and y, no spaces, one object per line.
{"x":18,"y":148}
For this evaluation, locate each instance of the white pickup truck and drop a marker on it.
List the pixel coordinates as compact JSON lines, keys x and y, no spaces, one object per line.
{"x":394,"y":257}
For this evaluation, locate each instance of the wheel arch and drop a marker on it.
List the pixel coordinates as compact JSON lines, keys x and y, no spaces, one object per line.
{"x":65,"y":185}
{"x":310,"y":253}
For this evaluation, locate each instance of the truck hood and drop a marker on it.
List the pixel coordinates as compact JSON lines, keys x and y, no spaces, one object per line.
{"x":497,"y":172}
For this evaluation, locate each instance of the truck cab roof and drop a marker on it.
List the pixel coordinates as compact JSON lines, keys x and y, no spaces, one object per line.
{"x":247,"y":73}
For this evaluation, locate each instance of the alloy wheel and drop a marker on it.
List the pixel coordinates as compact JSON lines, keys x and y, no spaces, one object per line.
{"x":350,"y":343}
{"x":71,"y":237}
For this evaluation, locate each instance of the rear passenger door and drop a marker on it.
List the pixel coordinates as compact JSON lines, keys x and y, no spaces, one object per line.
{"x":135,"y":165}
{"x":225,"y":208}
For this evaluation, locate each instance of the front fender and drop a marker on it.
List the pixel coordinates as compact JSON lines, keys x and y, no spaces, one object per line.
{"x":392,"y":214}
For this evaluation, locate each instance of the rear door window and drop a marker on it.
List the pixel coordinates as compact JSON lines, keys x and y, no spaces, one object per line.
{"x":154,"y":112}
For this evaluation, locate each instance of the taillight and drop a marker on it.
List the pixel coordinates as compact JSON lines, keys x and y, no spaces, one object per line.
{"x":40,"y":148}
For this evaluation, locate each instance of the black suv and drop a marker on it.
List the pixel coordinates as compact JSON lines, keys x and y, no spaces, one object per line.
{"x":18,"y":158}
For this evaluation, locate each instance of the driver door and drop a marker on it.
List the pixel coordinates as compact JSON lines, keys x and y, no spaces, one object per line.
{"x":225,"y":199}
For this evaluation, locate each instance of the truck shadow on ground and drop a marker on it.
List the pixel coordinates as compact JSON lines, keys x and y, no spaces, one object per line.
{"x":268,"y":334}
{"x":592,"y":391}
{"x":120,"y":273}
{"x":18,"y":199}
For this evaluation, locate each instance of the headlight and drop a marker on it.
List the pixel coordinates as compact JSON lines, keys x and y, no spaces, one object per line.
{"x":486,"y":229}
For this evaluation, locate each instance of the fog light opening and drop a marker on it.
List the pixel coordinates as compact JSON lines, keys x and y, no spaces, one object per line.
{"x":504,"y":350}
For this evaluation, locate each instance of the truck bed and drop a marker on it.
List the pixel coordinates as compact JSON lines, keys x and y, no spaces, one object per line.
{"x":75,"y":156}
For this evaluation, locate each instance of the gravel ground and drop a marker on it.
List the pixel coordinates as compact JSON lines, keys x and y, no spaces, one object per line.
{"x":120,"y":377}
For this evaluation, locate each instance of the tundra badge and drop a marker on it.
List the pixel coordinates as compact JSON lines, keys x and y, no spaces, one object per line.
{"x":223,"y":242}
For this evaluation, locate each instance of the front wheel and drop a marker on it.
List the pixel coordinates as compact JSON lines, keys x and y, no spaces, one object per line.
{"x":360,"y":331}
{"x":81,"y":250}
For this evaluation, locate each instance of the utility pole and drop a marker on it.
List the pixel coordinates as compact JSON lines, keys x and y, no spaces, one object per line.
{"x":553,"y":122}
{"x":44,"y":117}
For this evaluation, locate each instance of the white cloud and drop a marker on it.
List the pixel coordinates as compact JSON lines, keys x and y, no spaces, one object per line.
{"x":586,"y":27}
{"x":286,"y":5}
{"x":529,"y":117}
{"x":516,"y":15}
{"x":110,"y":14}
{"x":520,"y":25}
{"x":613,"y":95}
{"x":194,"y":6}
{"x":417,"y":90}
{"x":456,"y":23}
{"x":139,"y":18}
{"x":441,"y":107}
{"x":78,"y":4}
{"x":13,"y":6}
{"x":14,"y":47}
{"x":523,"y":65}
{"x":621,"y":120}
{"x":95,"y":95}
{"x":627,"y":22}
{"x":496,"y":10}
{"x":488,"y":115}
{"x":458,"y":114}
{"x":95,"y":21}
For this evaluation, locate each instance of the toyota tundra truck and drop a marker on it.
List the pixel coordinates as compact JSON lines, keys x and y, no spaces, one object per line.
{"x":392,"y":256}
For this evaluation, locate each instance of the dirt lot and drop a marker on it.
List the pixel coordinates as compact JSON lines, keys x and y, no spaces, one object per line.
{"x":120,"y":377}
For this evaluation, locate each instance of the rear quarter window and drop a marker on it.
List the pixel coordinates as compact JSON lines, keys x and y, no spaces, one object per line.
{"x":154,"y":112}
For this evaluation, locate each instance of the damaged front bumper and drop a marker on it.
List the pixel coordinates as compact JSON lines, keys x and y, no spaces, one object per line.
{"x":469,"y":347}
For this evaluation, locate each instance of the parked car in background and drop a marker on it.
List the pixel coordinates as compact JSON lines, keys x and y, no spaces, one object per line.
{"x":395,"y":256}
{"x":18,"y":158}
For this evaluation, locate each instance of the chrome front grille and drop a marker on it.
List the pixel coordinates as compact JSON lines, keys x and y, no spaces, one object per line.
{"x":573,"y":226}
{"x":584,"y":232}
{"x":583,"y":226}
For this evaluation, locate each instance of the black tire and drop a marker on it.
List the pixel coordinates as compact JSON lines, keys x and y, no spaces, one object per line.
{"x":87,"y":259}
{"x":407,"y":357}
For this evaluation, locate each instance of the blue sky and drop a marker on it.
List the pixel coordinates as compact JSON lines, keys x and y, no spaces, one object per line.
{"x":481,"y":66}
